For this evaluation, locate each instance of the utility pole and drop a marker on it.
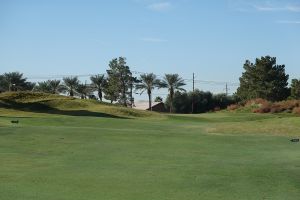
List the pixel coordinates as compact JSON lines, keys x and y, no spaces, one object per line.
{"x":193,"y":93}
{"x":131,"y":86}
{"x":193,"y":82}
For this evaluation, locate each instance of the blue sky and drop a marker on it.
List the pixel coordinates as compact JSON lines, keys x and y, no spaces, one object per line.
{"x":212,"y":38}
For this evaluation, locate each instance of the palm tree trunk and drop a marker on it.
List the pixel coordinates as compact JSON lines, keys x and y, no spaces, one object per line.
{"x":150,"y":100}
{"x":171,"y":100}
{"x":100,"y":94}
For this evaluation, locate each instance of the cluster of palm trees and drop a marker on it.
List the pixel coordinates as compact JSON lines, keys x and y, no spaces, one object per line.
{"x":72,"y":86}
{"x":173,"y":82}
{"x":14,"y":81}
{"x":147,"y":83}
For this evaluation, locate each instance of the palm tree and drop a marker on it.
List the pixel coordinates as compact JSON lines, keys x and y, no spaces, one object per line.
{"x":14,"y":81}
{"x":83,"y":90}
{"x":55,"y":86}
{"x":71,"y":84}
{"x":174,"y":83}
{"x":42,"y":87}
{"x":148,"y":83}
{"x":98,"y":84}
{"x":49,"y":86}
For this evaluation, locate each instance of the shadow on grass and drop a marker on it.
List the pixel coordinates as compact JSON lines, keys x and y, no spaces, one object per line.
{"x":38,"y":107}
{"x":9,"y":117}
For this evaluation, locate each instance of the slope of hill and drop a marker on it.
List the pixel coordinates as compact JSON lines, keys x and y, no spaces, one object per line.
{"x":57,"y":104}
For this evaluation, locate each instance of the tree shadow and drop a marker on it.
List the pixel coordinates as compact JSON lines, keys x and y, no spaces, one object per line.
{"x":38,"y":107}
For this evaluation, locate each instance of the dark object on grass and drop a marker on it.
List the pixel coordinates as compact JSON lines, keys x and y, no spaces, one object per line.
{"x":294,"y":140}
{"x":15,"y":121}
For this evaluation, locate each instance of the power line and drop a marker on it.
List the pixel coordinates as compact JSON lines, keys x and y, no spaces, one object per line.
{"x":89,"y":75}
{"x":226,"y":90}
{"x":59,"y":76}
{"x":192,"y":80}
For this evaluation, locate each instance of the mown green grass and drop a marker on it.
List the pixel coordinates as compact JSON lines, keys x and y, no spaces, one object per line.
{"x":209,"y":156}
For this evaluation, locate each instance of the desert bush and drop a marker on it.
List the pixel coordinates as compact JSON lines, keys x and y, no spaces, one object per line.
{"x":276,"y":107}
{"x":296,"y":110}
{"x":216,"y":109}
{"x":284,"y":106}
{"x":233,"y":107}
{"x":258,"y":101}
{"x":288,"y":105}
{"x":260,"y":105}
{"x":264,"y":108}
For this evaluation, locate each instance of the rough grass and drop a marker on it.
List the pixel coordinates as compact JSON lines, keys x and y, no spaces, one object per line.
{"x":209,"y":156}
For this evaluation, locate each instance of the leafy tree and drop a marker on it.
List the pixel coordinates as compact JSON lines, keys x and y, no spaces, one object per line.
{"x":14,"y":81}
{"x":119,"y":81}
{"x":111,"y":92}
{"x":263,"y":79}
{"x":295,"y":89}
{"x":2,"y":83}
{"x":181,"y":102}
{"x":203,"y":101}
{"x":71,"y":85}
{"x":173,"y":83}
{"x":98,"y":84}
{"x":158,"y":99}
{"x":148,"y":83}
{"x":222,"y":101}
{"x":112,"y":89}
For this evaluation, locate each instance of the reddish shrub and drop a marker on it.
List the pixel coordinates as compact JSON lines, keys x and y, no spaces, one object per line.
{"x":264,"y":108}
{"x":258,"y":101}
{"x":233,"y":107}
{"x":276,"y":108}
{"x":288,"y":105}
{"x":296,"y":110}
{"x":217,"y":109}
{"x":284,"y":106}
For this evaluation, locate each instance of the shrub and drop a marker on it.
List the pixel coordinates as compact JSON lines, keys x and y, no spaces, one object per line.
{"x":264,"y":108}
{"x":216,"y":109}
{"x":284,"y":106}
{"x":258,"y":101}
{"x":233,"y":107}
{"x":296,"y":110}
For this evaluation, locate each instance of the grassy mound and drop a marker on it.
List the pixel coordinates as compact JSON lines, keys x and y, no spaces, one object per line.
{"x":57,"y":104}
